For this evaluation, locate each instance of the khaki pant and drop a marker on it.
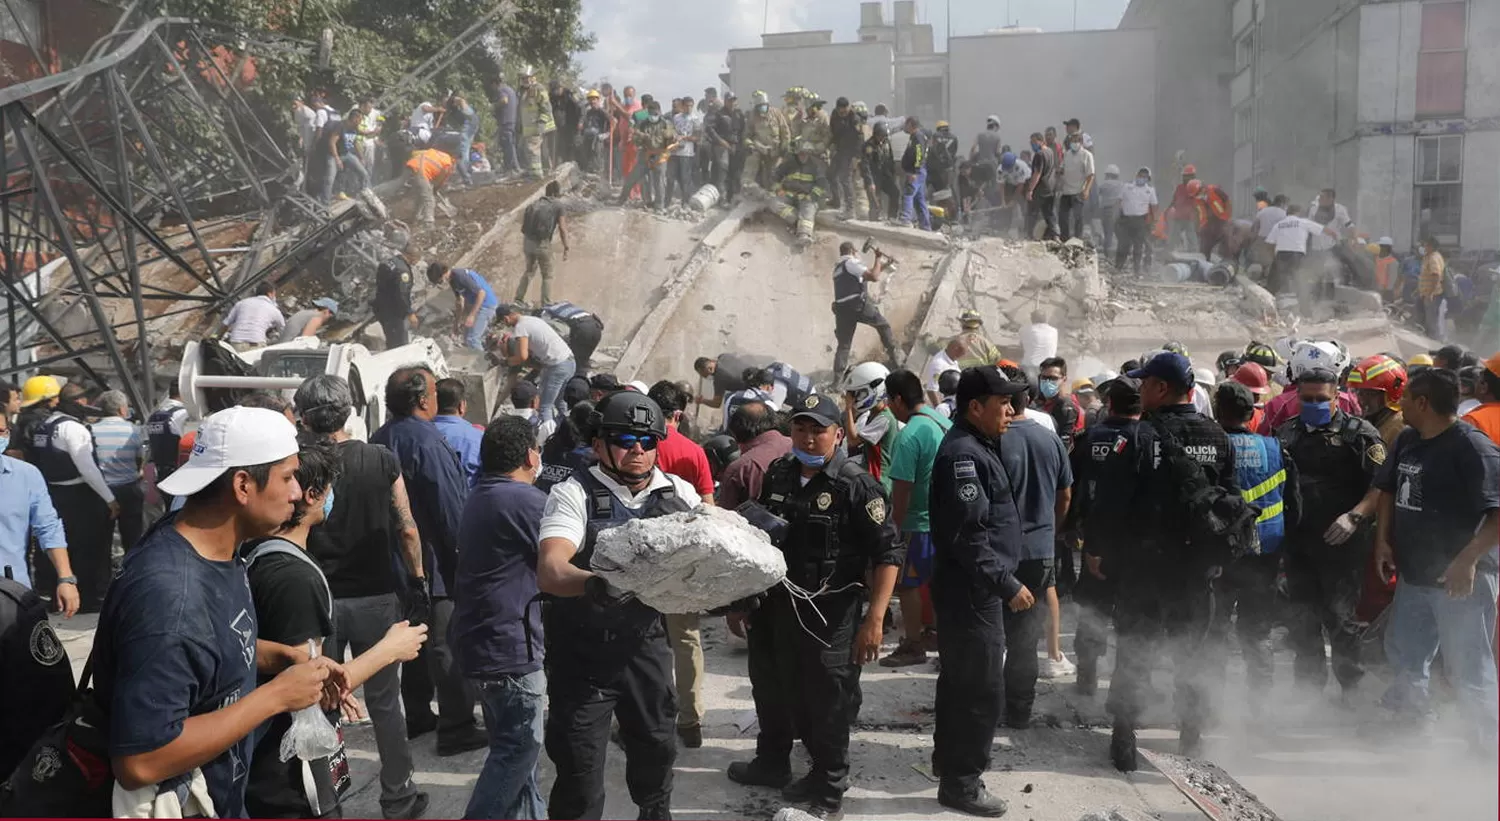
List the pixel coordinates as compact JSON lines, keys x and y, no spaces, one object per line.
{"x":758,"y":165}
{"x":799,"y":212}
{"x":426,"y":197}
{"x":687,"y":653}
{"x":538,"y":255}
{"x":534,"y":154}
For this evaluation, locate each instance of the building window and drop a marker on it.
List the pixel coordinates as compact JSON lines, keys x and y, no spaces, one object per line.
{"x":29,"y":14}
{"x":1438,"y":198}
{"x":1244,"y":124}
{"x":1442,"y":61}
{"x":1244,"y":51}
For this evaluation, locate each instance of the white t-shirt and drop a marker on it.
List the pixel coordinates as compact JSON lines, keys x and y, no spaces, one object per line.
{"x":1137,"y":200}
{"x":544,"y":430}
{"x":1077,"y":167}
{"x":546,"y":346}
{"x":1291,"y":234}
{"x":1042,"y":418}
{"x":1266,"y":220}
{"x":566,"y":515}
{"x":939,"y":364}
{"x":1038,"y":342}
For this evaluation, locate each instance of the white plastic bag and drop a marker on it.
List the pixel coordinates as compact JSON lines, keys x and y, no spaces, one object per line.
{"x":311,"y":736}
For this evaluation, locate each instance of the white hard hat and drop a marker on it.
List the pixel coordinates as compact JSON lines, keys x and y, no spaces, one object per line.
{"x":867,"y":382}
{"x":993,"y":118}
{"x":1385,"y":241}
{"x":1204,"y":377}
{"x":1112,"y":169}
{"x":1104,"y":376}
{"x":1321,"y":355}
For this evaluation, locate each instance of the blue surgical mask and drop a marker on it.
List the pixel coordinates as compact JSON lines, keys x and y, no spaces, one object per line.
{"x":811,"y":460}
{"x":4,"y":443}
{"x":1317,"y":414}
{"x":1035,"y":147}
{"x":1049,"y":388}
{"x":1073,"y":147}
{"x":327,"y":503}
{"x":1141,"y":181}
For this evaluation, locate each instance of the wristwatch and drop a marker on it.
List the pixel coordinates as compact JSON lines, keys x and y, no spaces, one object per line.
{"x":73,"y":580}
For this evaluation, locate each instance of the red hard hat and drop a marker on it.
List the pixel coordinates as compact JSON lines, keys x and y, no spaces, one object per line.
{"x":1252,"y":376}
{"x":1380,"y":373}
{"x":1190,"y":169}
{"x":1194,"y":187}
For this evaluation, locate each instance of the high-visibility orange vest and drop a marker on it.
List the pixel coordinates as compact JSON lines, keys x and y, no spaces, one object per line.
{"x":431,"y":163}
{"x":1385,"y":273}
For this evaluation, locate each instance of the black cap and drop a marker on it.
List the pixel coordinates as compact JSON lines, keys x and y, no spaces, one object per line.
{"x":576,"y":390}
{"x":604,"y":382}
{"x":523,"y":393}
{"x":986,"y":380}
{"x":819,"y":408}
{"x":1234,"y":400}
{"x":1172,"y":368}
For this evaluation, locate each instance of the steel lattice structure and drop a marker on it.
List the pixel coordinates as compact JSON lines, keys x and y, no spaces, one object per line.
{"x":127,"y":162}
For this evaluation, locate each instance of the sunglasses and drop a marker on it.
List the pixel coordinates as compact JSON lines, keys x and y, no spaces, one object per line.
{"x":626,"y":441}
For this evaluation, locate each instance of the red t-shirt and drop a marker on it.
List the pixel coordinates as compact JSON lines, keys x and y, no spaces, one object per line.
{"x":685,"y":458}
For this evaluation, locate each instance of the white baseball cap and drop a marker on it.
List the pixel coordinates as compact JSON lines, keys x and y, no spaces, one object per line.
{"x":638,"y":386}
{"x":232,"y":438}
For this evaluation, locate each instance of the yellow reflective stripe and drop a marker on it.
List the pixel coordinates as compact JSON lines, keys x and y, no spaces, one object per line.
{"x":1270,"y":513}
{"x":1265,"y":487}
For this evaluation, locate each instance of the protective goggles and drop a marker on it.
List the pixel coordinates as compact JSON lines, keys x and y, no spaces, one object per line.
{"x":626,"y":441}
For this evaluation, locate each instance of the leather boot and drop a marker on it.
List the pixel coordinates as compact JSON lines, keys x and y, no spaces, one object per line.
{"x":1122,"y":748}
{"x":756,"y":773}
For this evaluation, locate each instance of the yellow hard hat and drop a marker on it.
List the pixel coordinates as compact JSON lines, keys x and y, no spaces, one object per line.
{"x":1081,"y":384}
{"x":592,"y":94}
{"x":39,"y":389}
{"x":942,"y":123}
{"x":1419,"y":359}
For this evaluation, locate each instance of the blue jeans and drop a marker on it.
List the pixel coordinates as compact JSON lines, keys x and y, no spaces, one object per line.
{"x":507,"y":785}
{"x":474,"y":337}
{"x":465,"y":148}
{"x":1424,"y":619}
{"x":508,"y":159}
{"x":551,"y":381}
{"x":355,"y":177}
{"x":914,"y":197}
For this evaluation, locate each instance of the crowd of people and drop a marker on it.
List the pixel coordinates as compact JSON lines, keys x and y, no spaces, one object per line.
{"x":448,"y":562}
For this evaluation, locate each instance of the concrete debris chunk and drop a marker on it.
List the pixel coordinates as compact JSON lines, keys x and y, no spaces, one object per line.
{"x":689,"y":562}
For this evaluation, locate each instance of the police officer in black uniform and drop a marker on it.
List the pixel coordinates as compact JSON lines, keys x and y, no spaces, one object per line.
{"x":1165,"y":578}
{"x":607,"y":654}
{"x":392,"y":304}
{"x":36,"y":680}
{"x":585,"y":329}
{"x":805,"y":656}
{"x":1337,"y":455}
{"x":976,"y":538}
{"x":1110,"y":457}
{"x":164,"y":434}
{"x":852,"y":307}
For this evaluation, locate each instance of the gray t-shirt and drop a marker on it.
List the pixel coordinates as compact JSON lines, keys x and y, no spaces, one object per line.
{"x":1036,"y":463}
{"x":989,"y":147}
{"x":296,"y":323}
{"x":547,"y":347}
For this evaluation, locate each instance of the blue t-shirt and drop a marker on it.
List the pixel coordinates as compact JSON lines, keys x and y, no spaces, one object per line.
{"x":469,"y":286}
{"x":1037,"y":463}
{"x":465,"y":439}
{"x":176,"y":639}
{"x":493,"y":594}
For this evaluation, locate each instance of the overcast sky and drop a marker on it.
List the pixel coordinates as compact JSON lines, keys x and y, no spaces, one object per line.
{"x":676,"y":47}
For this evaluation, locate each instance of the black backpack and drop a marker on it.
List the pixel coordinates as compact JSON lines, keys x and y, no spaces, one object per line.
{"x":67,"y":772}
{"x":1220,"y":523}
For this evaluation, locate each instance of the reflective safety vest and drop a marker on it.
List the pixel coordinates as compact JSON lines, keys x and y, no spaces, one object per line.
{"x":1258,"y":466}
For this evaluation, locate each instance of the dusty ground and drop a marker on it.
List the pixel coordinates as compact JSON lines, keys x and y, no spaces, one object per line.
{"x":1307,"y":763}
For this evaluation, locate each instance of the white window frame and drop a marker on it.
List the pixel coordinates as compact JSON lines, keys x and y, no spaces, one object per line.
{"x":1244,"y":123}
{"x":1455,"y":184}
{"x":1244,"y":50}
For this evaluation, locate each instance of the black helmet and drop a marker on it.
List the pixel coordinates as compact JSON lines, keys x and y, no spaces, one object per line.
{"x":1228,"y":358}
{"x":948,"y":382}
{"x":721,"y":449}
{"x":629,"y":412}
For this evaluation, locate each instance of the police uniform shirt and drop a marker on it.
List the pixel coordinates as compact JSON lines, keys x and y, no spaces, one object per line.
{"x":1335,"y":467}
{"x":870,"y":529}
{"x":844,"y":290}
{"x":976,"y":526}
{"x":566,"y":515}
{"x":36,"y":680}
{"x":73,"y":438}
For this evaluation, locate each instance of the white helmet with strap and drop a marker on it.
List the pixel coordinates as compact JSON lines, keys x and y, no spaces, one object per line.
{"x":867,"y":382}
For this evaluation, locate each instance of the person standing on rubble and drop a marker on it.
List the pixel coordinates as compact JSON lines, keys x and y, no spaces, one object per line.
{"x":768,"y":137}
{"x":837,"y":537}
{"x":730,"y":126}
{"x":608,"y":655}
{"x":848,"y":139}
{"x":684,"y":159}
{"x":539,"y":222}
{"x":505,"y":107}
{"x":1077,"y":181}
{"x":1041,"y":190}
{"x":852,"y":307}
{"x":474,"y":301}
{"x":393,"y":306}
{"x":1183,"y":214}
{"x":428,"y":170}
{"x":977,"y":544}
{"x":801,"y":185}
{"x":653,"y":137}
{"x":914,"y":165}
{"x":1137,"y":215}
{"x":535,"y":122}
{"x":250,"y":322}
{"x":879,"y":169}
{"x":536,"y":341}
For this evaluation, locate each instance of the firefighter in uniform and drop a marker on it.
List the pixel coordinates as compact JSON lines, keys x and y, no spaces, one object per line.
{"x":584,"y":330}
{"x":978,"y":349}
{"x":852,"y":307}
{"x":1111,"y":449}
{"x":164,"y":428}
{"x":608,"y":655}
{"x":801,"y":185}
{"x":1267,"y":477}
{"x":806,"y":654}
{"x":768,"y":138}
{"x":976,"y":540}
{"x":817,"y":128}
{"x":1165,"y":579}
{"x":536,"y":124}
{"x":1337,"y":456}
{"x":62,"y":448}
{"x":1379,"y":381}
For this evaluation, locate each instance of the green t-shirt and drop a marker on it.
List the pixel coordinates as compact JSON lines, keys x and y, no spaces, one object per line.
{"x":912,"y":460}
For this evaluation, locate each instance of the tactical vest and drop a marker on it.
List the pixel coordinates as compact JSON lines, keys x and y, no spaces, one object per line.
{"x":162,"y":441}
{"x":817,"y":515}
{"x":1330,"y":479}
{"x":740,"y":398}
{"x":55,"y":463}
{"x":552,"y":474}
{"x":565,"y":312}
{"x":798,"y":387}
{"x":1262,"y":478}
{"x":847,"y":287}
{"x":580,"y":615}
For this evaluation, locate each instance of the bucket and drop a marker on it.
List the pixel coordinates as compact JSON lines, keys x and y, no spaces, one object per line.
{"x":706,"y":198}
